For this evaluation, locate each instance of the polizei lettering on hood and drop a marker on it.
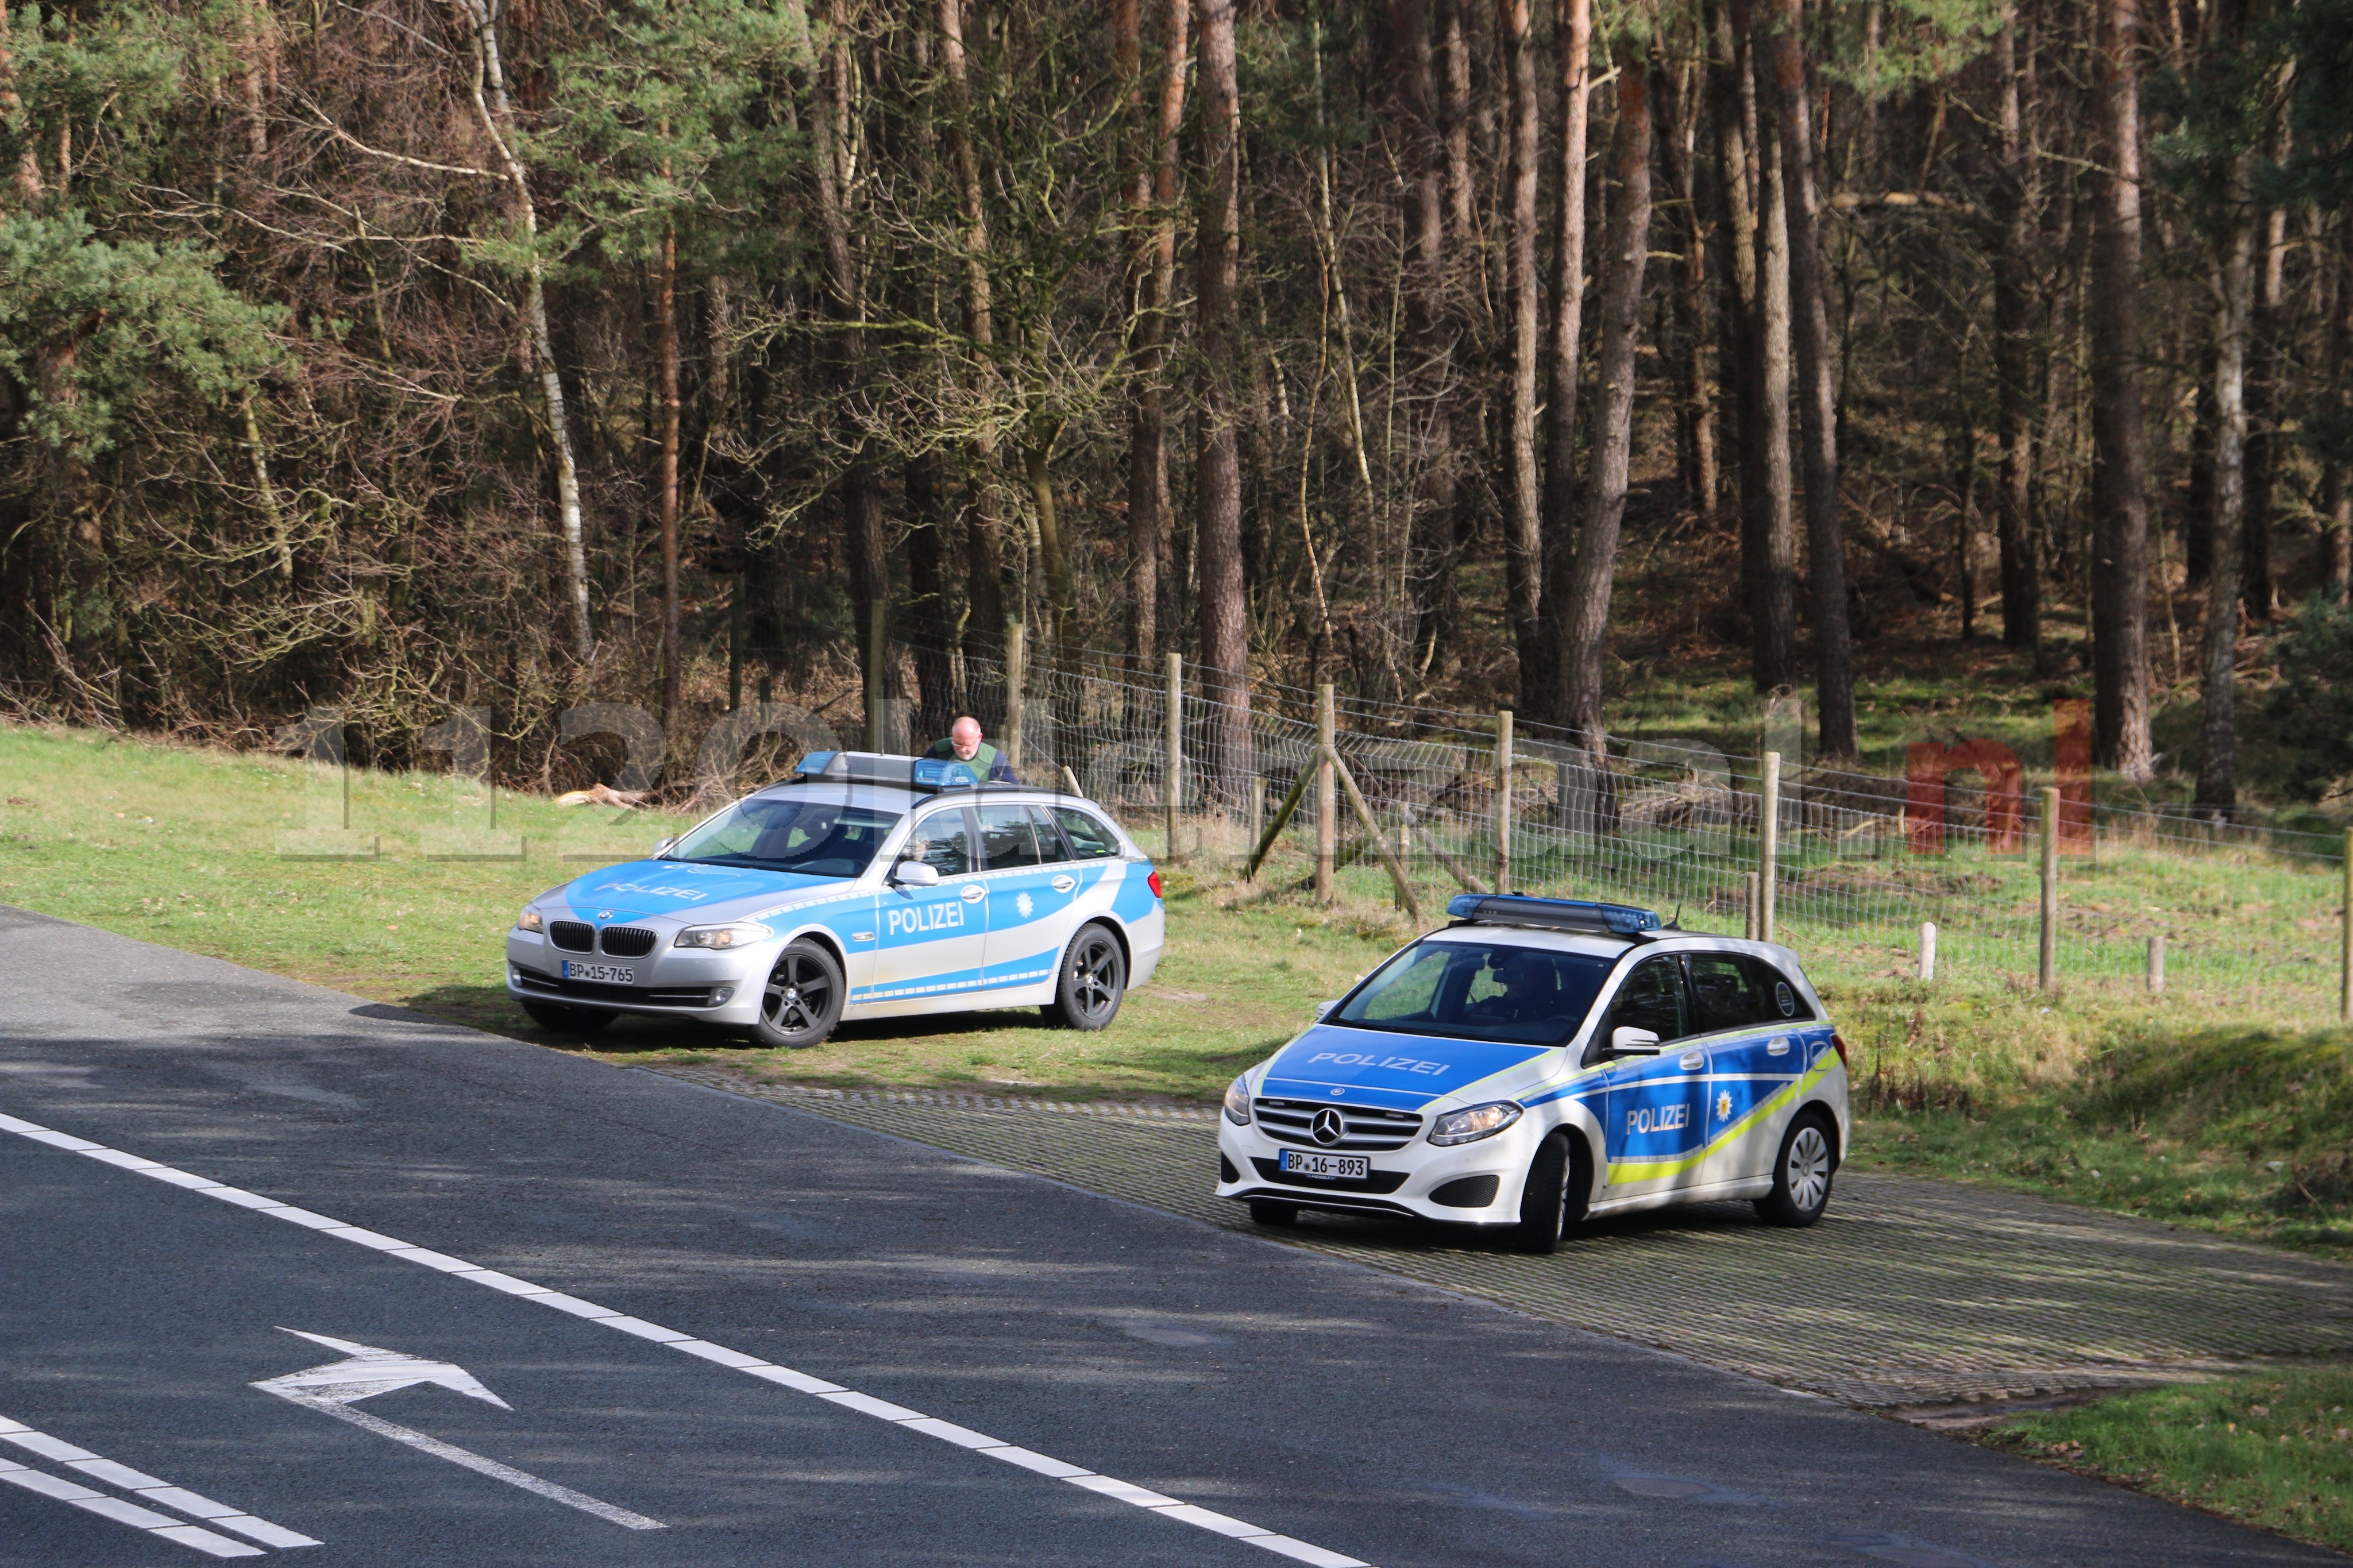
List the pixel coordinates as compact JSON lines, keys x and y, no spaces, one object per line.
{"x":924,"y":917}
{"x":1362,"y":1059}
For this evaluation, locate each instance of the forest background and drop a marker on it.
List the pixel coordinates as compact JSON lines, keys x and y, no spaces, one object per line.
{"x":517,"y":354}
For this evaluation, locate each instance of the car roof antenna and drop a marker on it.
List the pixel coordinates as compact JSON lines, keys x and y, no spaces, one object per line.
{"x":1675,"y":920}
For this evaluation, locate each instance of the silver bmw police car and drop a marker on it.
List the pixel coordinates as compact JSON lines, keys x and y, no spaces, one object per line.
{"x":862,"y":887}
{"x":1539,"y":1061}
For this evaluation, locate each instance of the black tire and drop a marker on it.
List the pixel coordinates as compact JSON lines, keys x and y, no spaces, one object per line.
{"x":1802,"y":1172}
{"x":560,"y":1019}
{"x":1559,"y":1184}
{"x":1093,"y":980}
{"x":801,"y":1001}
{"x":1265,"y":1211}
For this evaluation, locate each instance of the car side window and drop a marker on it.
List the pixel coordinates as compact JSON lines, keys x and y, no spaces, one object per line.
{"x":1778,"y":1001}
{"x":1653,"y":999}
{"x":1090,"y":838}
{"x":1008,"y":840}
{"x":1050,"y":837}
{"x":941,"y":841}
{"x":1725,"y":994}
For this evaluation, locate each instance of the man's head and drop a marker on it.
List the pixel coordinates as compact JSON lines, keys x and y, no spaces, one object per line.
{"x":964,"y":736}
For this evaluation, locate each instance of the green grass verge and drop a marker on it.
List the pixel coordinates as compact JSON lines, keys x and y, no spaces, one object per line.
{"x":2273,"y":1449}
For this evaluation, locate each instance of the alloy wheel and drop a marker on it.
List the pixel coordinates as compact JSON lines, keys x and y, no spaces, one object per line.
{"x":1809,"y":1169}
{"x":799,"y":993}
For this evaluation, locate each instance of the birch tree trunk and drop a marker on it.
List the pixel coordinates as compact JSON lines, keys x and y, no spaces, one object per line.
{"x":988,"y":613}
{"x":1152,"y":202}
{"x":665,"y":353}
{"x":1430,"y":516}
{"x":2013,"y":358}
{"x":478,"y":20}
{"x":1523,"y":515}
{"x":2233,"y":324}
{"x":1573,"y":39}
{"x":1817,"y":390}
{"x":1620,"y":338}
{"x":2120,"y":729}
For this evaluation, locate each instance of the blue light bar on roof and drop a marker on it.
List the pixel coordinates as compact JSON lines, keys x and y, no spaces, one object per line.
{"x":872,"y":767}
{"x":938,"y":773}
{"x":1552,"y":914}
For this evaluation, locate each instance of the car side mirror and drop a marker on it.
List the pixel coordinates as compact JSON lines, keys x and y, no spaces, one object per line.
{"x":916,"y":874}
{"x":661,"y":846}
{"x":1627,"y":1041}
{"x":1323,"y":1007}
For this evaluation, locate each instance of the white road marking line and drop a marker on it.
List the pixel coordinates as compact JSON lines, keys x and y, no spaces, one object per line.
{"x":366,"y":1371}
{"x":147,"y":1487}
{"x":882,"y":1409}
{"x":475,"y":1462}
{"x":122,"y":1512}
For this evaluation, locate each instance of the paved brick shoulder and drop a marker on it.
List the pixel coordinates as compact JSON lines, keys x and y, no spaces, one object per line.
{"x":1908,"y":1291}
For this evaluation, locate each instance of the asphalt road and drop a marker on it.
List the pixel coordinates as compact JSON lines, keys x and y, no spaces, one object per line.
{"x":937,"y":1343}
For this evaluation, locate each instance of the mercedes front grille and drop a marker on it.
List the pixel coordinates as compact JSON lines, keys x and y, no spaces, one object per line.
{"x":1362,"y":1127}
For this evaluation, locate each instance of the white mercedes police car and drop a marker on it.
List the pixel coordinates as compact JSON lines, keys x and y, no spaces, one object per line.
{"x":861,"y":887}
{"x":1543,"y":1060}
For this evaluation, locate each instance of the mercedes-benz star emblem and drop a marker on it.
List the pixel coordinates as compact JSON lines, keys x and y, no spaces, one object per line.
{"x":1328,"y":1128}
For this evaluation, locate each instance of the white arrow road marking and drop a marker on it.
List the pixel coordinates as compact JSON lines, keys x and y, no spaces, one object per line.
{"x":365,"y":1372}
{"x":750,"y":1366}
{"x":145,"y":1488}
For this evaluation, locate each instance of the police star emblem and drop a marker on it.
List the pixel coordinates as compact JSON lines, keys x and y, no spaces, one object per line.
{"x":1724,"y":1106}
{"x":1023,"y":905}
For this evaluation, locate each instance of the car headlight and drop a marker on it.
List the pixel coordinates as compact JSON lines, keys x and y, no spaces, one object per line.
{"x":1468,"y":1126}
{"x":529,"y":921}
{"x":1238,"y":1102}
{"x":743,"y":933}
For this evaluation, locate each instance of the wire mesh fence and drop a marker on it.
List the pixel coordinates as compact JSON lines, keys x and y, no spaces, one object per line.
{"x":1677,"y":825}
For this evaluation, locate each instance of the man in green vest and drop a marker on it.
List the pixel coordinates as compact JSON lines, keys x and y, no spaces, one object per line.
{"x":964,"y":746}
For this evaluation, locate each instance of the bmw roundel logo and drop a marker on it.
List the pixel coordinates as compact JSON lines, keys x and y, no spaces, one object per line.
{"x":603,"y":914}
{"x":1328,"y":1128}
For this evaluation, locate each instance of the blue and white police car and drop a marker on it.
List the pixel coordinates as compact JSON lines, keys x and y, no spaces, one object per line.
{"x":1539,"y":1061}
{"x":861,"y":887}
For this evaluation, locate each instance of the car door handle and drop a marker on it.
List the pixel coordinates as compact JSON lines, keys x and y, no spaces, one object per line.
{"x":1691,"y":1062}
{"x":1064,"y":884}
{"x":1778,"y":1048}
{"x":973,"y":893}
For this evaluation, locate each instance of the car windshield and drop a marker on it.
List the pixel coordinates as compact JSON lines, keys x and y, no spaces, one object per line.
{"x":813,"y":837}
{"x":1474,"y":992}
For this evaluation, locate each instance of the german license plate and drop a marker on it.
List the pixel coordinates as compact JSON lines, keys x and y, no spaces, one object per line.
{"x":604,"y":973}
{"x":1343,"y":1167}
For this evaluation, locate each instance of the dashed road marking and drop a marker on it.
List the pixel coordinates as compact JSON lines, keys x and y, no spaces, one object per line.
{"x":880,"y":1409}
{"x":139,"y":1484}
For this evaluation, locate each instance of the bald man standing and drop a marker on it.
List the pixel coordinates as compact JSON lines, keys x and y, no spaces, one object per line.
{"x":964,"y":746}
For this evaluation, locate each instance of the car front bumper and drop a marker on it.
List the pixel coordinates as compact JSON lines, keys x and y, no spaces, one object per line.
{"x":1479,"y":1183}
{"x":671,"y":982}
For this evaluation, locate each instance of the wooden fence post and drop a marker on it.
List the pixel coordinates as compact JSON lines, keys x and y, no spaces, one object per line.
{"x":1172,"y":786}
{"x":2157,"y":964}
{"x":2345,"y":982}
{"x":2047,"y":962}
{"x":1328,"y":815}
{"x":1768,"y":844}
{"x":1502,"y":800}
{"x":1928,"y":951}
{"x":878,"y":624}
{"x":1749,"y":911}
{"x":1016,"y":679}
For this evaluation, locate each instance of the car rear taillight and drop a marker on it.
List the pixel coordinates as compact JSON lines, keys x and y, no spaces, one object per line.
{"x":1153,"y":881}
{"x":1837,"y":1044}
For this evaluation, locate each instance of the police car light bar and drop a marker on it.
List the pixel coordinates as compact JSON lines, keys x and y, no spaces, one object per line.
{"x":1553,"y":914}
{"x":873,"y":767}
